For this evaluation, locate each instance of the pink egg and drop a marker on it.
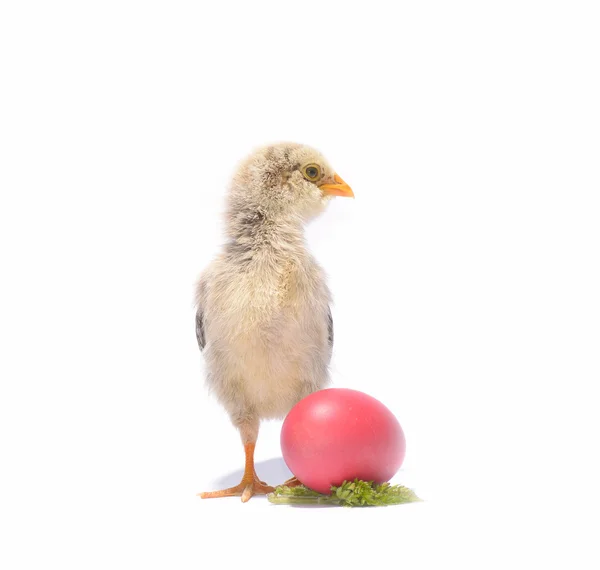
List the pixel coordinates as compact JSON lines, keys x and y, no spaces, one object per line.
{"x":339,"y":434}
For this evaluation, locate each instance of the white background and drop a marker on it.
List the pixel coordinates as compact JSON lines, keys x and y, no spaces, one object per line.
{"x":465,"y":274}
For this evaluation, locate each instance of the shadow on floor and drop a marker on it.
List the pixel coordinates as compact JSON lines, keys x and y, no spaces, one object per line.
{"x":272,"y":471}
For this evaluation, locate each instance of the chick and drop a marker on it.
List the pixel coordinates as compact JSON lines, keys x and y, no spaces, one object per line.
{"x":263,"y":319}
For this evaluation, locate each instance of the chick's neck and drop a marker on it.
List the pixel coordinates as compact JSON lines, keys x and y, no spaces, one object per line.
{"x":253,"y":232}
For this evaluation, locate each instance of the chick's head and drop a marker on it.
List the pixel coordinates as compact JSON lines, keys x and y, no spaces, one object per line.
{"x":286,"y":179}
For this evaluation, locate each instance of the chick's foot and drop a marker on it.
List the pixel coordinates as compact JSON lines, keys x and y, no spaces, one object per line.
{"x":246,"y":489}
{"x":250,"y":484}
{"x":292,"y":482}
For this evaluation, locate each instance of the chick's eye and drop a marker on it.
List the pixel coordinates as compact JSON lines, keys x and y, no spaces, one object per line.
{"x":312,"y":172}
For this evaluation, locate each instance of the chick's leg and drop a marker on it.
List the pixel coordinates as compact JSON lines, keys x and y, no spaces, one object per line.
{"x":250,"y":484}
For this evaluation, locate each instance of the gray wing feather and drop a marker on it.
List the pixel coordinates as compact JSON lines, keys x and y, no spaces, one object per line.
{"x":200,"y":336}
{"x":330,"y":328}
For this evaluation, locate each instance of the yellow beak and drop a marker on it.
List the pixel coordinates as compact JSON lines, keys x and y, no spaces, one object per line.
{"x":340,"y":188}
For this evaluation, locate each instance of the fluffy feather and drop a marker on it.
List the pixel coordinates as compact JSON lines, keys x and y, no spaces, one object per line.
{"x":263,"y":304}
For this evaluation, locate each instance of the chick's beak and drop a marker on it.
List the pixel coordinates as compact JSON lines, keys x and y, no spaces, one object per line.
{"x":340,"y":188}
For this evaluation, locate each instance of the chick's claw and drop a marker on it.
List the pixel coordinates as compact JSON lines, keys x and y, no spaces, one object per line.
{"x":245,"y":490}
{"x":292,"y":482}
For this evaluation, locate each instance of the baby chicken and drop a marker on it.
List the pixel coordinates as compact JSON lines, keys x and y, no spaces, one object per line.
{"x":263,"y":320}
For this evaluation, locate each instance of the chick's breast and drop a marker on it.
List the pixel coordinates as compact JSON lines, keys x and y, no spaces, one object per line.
{"x":268,"y":334}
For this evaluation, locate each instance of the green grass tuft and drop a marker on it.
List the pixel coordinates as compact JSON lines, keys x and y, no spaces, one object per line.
{"x":349,"y":494}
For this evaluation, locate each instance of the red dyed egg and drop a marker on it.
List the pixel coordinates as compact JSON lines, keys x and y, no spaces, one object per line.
{"x":339,"y":434}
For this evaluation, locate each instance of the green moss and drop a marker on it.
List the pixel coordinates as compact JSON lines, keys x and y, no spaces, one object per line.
{"x":349,"y":494}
